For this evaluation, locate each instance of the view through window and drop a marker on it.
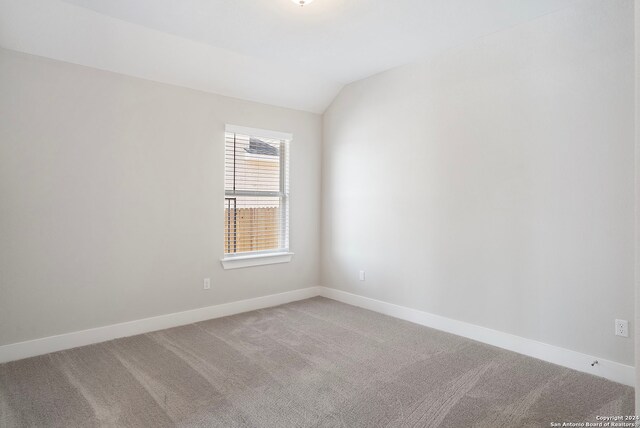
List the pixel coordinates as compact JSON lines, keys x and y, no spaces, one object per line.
{"x":256,"y":204}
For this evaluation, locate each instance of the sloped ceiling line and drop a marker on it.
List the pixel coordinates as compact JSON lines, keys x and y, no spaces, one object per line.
{"x":268,"y":51}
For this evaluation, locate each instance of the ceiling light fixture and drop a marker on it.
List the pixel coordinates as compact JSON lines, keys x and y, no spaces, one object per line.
{"x":302,"y":2}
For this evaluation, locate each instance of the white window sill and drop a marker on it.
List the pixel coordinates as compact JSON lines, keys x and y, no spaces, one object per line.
{"x":238,"y":262}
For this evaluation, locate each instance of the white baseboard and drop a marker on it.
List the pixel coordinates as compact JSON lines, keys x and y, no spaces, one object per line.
{"x":611,"y":370}
{"x":564,"y":357}
{"x":31,"y":348}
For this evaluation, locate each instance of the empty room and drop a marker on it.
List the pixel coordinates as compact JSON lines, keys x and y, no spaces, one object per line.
{"x":319,"y":213}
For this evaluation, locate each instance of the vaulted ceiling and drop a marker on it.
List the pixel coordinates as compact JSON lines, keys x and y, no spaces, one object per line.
{"x":270,"y":51}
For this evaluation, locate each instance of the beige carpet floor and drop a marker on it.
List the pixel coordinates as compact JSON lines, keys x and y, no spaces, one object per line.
{"x":314,"y":363}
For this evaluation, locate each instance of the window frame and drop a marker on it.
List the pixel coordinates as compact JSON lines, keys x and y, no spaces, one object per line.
{"x":262,"y":257}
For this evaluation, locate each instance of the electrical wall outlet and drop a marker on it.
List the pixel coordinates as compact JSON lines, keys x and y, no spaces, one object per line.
{"x":622,"y":328}
{"x":361,"y":275}
{"x":207,"y":283}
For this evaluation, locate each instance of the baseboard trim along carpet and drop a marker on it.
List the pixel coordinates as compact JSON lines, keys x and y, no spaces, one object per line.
{"x":611,"y":370}
{"x":32,"y":348}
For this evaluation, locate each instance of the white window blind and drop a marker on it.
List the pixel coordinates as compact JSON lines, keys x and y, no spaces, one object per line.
{"x":256,"y":184}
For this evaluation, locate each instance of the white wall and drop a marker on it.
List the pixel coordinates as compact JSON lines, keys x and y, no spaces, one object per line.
{"x":637,"y":194}
{"x":111,"y":198}
{"x":495,"y":184}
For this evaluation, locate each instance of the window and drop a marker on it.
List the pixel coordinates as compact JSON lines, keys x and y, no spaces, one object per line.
{"x":256,"y":197}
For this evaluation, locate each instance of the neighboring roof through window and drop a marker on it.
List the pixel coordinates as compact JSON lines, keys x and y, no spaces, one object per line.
{"x":259,"y":147}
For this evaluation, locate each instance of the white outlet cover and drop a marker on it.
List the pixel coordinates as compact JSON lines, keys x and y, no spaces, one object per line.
{"x":207,"y":283}
{"x":361,"y":275}
{"x":622,"y":328}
